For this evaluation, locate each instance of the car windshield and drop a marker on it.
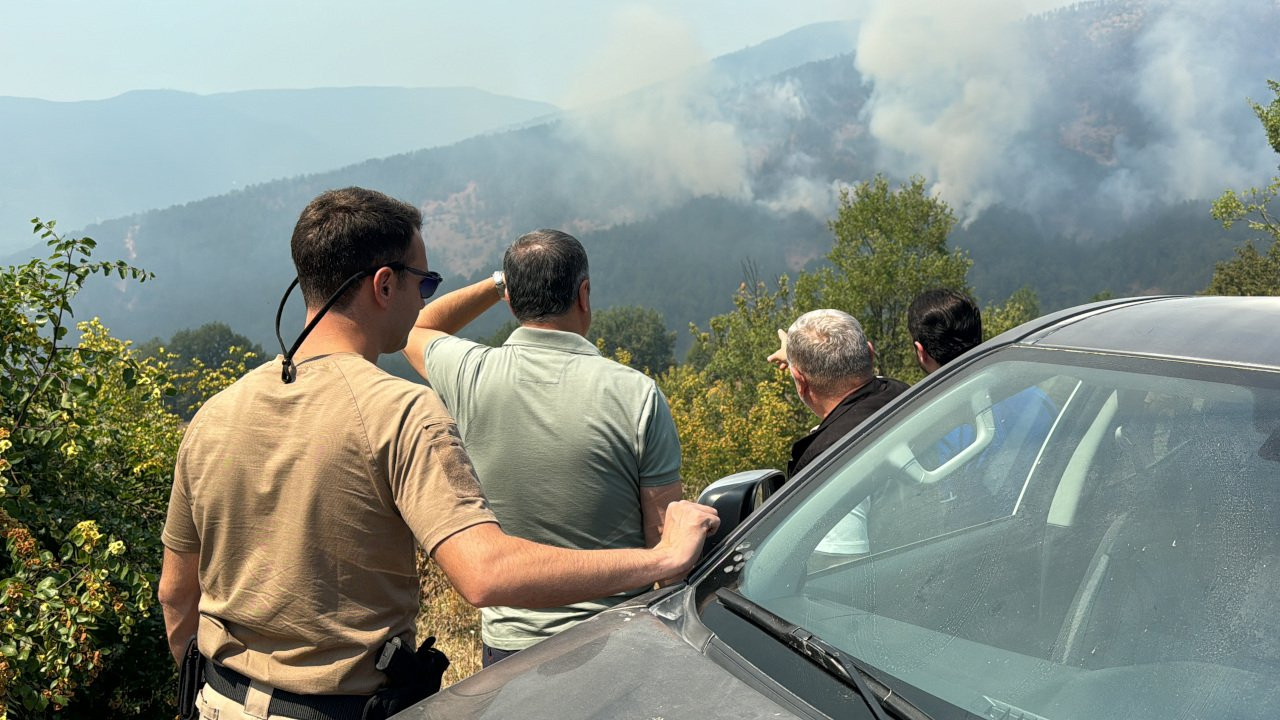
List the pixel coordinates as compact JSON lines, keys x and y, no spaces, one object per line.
{"x":1049,"y":534}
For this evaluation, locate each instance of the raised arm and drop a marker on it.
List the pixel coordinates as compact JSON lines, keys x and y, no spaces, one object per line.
{"x":446,"y":315}
{"x":489,"y":567}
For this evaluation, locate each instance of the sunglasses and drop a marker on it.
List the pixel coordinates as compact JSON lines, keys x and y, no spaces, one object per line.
{"x":427,"y":285}
{"x":426,"y":288}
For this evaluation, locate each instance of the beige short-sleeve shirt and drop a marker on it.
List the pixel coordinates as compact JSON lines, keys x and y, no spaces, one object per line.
{"x":304,"y":502}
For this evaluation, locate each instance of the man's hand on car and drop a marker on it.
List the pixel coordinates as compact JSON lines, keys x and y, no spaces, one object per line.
{"x":687,"y":526}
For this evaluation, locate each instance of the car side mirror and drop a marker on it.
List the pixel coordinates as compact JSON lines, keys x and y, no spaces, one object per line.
{"x":735,"y":497}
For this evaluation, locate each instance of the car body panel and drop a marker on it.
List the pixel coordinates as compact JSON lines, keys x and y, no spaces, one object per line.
{"x":623,"y":663}
{"x":1224,"y":329}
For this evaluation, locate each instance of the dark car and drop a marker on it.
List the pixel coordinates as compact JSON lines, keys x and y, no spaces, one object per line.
{"x":1078,"y":519}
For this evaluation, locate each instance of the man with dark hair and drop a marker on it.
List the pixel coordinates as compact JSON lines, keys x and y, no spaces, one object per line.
{"x":300,"y":492}
{"x":572,"y":449}
{"x":943,"y":324}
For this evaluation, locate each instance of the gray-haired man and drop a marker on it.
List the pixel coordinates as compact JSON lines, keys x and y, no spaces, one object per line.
{"x":830,"y":361}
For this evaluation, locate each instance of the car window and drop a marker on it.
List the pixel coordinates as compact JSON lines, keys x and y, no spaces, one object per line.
{"x":1047,"y":533}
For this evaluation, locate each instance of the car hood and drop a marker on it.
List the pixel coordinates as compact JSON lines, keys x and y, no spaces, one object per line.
{"x":624,"y":663}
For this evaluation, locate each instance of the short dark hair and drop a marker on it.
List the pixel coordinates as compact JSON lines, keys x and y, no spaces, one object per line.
{"x":343,"y":232}
{"x":945,"y":322}
{"x":544,"y":270}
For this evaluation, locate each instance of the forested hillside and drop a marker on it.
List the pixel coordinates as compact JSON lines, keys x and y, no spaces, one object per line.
{"x":1098,"y":182}
{"x":88,"y":161}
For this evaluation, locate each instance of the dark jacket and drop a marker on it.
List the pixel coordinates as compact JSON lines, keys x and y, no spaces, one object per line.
{"x":852,"y":410}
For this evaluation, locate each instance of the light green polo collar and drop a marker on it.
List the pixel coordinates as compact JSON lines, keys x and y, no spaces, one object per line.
{"x":552,"y":340}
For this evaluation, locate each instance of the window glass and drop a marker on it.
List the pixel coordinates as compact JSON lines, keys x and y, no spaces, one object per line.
{"x":1050,"y":538}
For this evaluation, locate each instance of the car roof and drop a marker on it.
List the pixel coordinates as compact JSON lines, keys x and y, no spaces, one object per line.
{"x":1228,"y":330}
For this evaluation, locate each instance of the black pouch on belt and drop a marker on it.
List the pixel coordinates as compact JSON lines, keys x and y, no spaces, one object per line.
{"x":190,"y":678}
{"x":413,"y":676}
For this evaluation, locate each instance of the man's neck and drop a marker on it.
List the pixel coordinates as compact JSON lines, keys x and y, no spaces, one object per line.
{"x":830,"y":403}
{"x":564,"y":323}
{"x":337,"y":333}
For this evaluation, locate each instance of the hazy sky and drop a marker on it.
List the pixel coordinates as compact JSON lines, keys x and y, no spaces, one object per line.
{"x":559,"y":51}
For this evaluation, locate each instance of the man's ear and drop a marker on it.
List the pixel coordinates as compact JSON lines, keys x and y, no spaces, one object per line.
{"x":382,"y":286}
{"x":584,"y":295}
{"x":802,"y":382}
{"x":924,"y":359}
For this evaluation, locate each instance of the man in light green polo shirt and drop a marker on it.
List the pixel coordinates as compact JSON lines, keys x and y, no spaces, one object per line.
{"x":572,"y":449}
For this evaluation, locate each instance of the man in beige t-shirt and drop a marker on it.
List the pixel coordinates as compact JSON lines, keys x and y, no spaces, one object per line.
{"x":301,"y":490}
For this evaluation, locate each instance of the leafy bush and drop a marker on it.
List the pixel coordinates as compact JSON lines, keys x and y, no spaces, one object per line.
{"x":86,"y":460}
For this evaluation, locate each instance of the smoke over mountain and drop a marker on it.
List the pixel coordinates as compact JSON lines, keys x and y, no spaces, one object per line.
{"x":1084,"y":116}
{"x":1048,"y":130}
{"x":983,"y":101}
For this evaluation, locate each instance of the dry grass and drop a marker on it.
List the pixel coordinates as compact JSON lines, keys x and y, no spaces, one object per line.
{"x":454,"y":622}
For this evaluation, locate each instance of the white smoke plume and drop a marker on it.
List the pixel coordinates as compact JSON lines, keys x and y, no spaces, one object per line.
{"x":663,"y":142}
{"x":963,"y":96}
{"x":1192,"y":91}
{"x":1097,"y":112}
{"x":955,"y":86}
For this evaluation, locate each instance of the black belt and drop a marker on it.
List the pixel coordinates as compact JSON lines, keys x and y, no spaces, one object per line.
{"x":235,"y":686}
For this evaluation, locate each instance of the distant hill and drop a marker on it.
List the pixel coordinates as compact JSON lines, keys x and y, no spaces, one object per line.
{"x":810,"y":43}
{"x":83,"y":162}
{"x":1098,"y":184}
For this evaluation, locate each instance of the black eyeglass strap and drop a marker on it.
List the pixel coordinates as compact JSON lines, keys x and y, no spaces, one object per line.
{"x":289,"y":371}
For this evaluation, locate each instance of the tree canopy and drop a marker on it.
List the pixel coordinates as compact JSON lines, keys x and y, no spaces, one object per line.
{"x":735,"y":411}
{"x":1251,"y":272}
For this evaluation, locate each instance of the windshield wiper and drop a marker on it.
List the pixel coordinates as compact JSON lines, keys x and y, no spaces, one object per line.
{"x":835,"y":661}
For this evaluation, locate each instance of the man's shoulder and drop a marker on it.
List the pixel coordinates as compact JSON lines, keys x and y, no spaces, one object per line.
{"x":453,"y":343}
{"x":245,"y":384}
{"x":379,"y":393}
{"x":617,"y":369}
{"x":893,"y":385}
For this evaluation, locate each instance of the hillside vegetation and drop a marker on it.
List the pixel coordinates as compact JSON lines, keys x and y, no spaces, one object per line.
{"x":1097,"y":186}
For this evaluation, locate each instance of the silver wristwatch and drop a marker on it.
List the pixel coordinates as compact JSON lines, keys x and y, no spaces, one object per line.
{"x":500,"y":282}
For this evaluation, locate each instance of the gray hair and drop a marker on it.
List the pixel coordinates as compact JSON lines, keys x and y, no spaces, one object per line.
{"x":829,"y":347}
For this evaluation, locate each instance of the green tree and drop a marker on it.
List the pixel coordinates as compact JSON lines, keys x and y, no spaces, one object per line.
{"x":211,"y":344}
{"x":640,"y":331}
{"x":889,"y":246}
{"x":189,"y":353}
{"x":1022,"y":306}
{"x":735,"y":411}
{"x":86,"y":460}
{"x":1251,"y":272}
